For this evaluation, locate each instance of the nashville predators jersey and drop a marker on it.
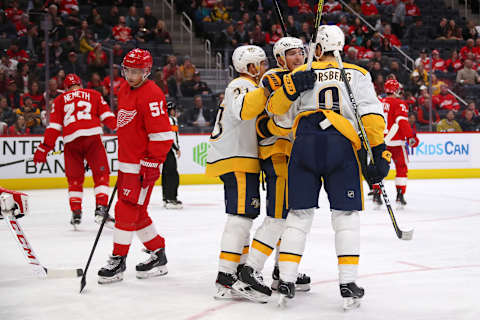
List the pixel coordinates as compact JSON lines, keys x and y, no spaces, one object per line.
{"x":280,"y":142}
{"x":329,"y":95}
{"x":233,"y":142}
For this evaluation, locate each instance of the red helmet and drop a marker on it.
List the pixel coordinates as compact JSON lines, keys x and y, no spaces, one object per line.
{"x":391,"y":86}
{"x":70,"y":80}
{"x":138,"y":59}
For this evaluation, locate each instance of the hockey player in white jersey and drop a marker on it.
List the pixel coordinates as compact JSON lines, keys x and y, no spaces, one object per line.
{"x":325,"y":150}
{"x":274,"y":150}
{"x":233,"y":156}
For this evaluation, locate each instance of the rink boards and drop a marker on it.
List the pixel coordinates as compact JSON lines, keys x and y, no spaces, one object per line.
{"x":439,"y":155}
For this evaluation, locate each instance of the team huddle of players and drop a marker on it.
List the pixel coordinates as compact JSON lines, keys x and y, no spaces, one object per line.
{"x":294,"y":124}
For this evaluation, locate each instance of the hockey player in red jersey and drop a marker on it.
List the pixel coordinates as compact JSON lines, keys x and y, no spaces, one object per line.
{"x":398,"y":133}
{"x":78,"y":114}
{"x":144,"y":139}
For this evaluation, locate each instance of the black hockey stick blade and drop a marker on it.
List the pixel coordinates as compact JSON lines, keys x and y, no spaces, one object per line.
{"x":83,"y":282}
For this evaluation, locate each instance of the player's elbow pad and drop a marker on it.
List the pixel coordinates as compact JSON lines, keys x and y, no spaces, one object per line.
{"x":253,"y":104}
{"x":374,"y":127}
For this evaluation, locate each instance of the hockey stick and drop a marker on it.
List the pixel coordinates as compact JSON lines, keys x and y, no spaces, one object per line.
{"x":28,"y":159}
{"x":280,"y":18}
{"x":83,"y":282}
{"x":38,"y":269}
{"x":404,"y":235}
{"x":313,"y":41}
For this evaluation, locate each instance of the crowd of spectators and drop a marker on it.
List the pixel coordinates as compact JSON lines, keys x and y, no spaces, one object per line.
{"x":82,"y":35}
{"x":446,"y":51}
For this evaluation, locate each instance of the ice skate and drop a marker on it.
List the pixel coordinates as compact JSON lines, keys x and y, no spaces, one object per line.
{"x":173,"y":204}
{"x":224,"y":285}
{"x":76,"y":218}
{"x":155,"y":266}
{"x":100,"y":212}
{"x":113,"y":271}
{"x":400,"y":199}
{"x":250,"y":285}
{"x":352,"y":294}
{"x":377,"y":198}
{"x":302,"y":284}
{"x":286,"y":290}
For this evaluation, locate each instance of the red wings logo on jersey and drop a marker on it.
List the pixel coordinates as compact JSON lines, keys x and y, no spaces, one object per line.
{"x":124,"y":117}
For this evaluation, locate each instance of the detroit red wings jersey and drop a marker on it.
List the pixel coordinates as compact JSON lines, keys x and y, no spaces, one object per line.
{"x":143,"y":127}
{"x":398,"y":127}
{"x":78,"y":113}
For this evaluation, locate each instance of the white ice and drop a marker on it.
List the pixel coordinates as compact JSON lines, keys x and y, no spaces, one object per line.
{"x":434,"y":276}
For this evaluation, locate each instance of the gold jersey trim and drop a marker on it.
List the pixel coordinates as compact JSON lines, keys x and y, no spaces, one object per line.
{"x":234,"y":164}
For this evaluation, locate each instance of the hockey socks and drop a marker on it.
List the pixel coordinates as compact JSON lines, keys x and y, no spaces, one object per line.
{"x":234,"y":238}
{"x":297,"y":226}
{"x":346,"y":225}
{"x":264,"y":241}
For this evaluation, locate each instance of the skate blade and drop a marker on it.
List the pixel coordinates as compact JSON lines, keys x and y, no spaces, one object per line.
{"x":108,"y":224}
{"x":225,"y":293}
{"x":155,"y":272}
{"x":245,"y":291}
{"x":302,"y":287}
{"x":106,"y":280}
{"x":350,"y":303}
{"x":174,"y":206}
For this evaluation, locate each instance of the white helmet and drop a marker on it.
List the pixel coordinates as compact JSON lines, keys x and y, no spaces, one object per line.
{"x":285,"y":44}
{"x":330,"y":38}
{"x":244,"y":55}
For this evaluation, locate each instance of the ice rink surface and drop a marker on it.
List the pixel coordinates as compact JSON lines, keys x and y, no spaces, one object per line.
{"x":434,"y":276}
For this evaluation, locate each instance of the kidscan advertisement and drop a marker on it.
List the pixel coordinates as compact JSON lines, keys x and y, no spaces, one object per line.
{"x":449,"y":155}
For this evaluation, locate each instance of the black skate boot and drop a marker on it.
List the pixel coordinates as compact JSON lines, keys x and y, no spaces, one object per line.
{"x":400,"y":198}
{"x":250,"y":285}
{"x":155,"y":266}
{"x":377,"y":197}
{"x":224,"y":285}
{"x":351,"y":294}
{"x":302,"y":283}
{"x":113,"y":271}
{"x":100,"y":212}
{"x":286,"y":290}
{"x":76,"y":218}
{"x":173,"y":204}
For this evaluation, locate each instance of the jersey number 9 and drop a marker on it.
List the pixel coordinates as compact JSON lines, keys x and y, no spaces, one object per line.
{"x":329,"y":98}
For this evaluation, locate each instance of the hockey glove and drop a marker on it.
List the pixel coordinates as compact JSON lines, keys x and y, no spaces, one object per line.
{"x":298,"y":82}
{"x":262,"y":126}
{"x":149,"y":172}
{"x":379,"y":170}
{"x":272,"y":81}
{"x":40,"y":155}
{"x":413,"y":142}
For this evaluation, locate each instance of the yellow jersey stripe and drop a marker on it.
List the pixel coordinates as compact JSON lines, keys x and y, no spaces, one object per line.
{"x":263,"y":248}
{"x":241,"y":178}
{"x":223,"y":166}
{"x":234,"y":257}
{"x":348,"y":259}
{"x":289,"y":257}
{"x":245,"y":250}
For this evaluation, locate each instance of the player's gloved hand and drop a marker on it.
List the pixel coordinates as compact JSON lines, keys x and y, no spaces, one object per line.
{"x":273,"y":81}
{"x":149,"y":171}
{"x":298,"y":82}
{"x":379,"y":170}
{"x":40,"y":155}
{"x":262,"y":126}
{"x":413,"y":141}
